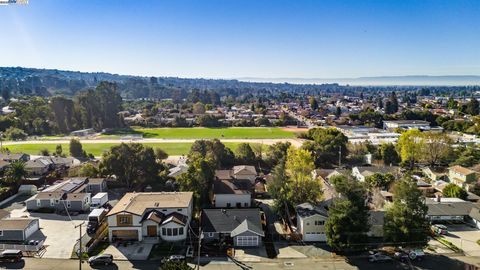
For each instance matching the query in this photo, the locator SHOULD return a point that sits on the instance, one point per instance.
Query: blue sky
(245, 38)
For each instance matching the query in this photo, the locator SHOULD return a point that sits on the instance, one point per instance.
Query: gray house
(240, 227)
(96, 185)
(59, 201)
(17, 230)
(12, 157)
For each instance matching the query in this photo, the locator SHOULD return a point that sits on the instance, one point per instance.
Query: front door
(152, 230)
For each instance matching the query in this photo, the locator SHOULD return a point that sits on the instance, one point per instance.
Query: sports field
(97, 149)
(210, 133)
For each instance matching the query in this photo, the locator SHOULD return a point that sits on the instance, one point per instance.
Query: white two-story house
(311, 222)
(157, 215)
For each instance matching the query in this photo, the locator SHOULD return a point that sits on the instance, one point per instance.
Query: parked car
(379, 257)
(11, 255)
(415, 254)
(105, 259)
(440, 229)
(174, 258)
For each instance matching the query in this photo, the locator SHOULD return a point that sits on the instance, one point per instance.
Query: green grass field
(97, 149)
(210, 133)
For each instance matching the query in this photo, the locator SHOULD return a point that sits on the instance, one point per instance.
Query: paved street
(431, 263)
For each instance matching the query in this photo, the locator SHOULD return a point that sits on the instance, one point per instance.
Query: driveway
(58, 231)
(465, 238)
(135, 251)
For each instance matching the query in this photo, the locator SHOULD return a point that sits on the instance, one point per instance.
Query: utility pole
(339, 156)
(199, 245)
(80, 246)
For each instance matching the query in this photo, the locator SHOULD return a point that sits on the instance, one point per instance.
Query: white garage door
(315, 237)
(247, 241)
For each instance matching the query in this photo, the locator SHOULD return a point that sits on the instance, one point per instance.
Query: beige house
(156, 215)
(461, 176)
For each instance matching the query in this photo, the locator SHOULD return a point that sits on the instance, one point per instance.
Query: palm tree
(15, 173)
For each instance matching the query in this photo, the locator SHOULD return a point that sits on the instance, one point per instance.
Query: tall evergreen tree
(405, 219)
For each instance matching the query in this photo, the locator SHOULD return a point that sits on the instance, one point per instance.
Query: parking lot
(465, 238)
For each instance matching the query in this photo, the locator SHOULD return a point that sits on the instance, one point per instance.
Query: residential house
(434, 174)
(245, 172)
(311, 222)
(448, 209)
(240, 227)
(96, 185)
(59, 196)
(38, 167)
(361, 172)
(231, 193)
(12, 157)
(17, 230)
(157, 215)
(461, 176)
(178, 170)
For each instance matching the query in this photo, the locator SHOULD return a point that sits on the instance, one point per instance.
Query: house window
(246, 204)
(69, 204)
(164, 210)
(175, 231)
(1, 233)
(210, 234)
(164, 231)
(39, 203)
(319, 222)
(180, 231)
(229, 205)
(124, 220)
(308, 223)
(169, 232)
(179, 210)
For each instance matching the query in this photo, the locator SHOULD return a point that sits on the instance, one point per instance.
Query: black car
(105, 259)
(11, 255)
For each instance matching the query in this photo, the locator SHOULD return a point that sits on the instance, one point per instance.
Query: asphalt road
(431, 262)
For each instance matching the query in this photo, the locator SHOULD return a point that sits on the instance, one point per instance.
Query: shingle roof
(227, 220)
(308, 210)
(49, 195)
(448, 207)
(76, 196)
(244, 168)
(475, 212)
(246, 226)
(223, 174)
(175, 217)
(461, 170)
(227, 187)
(380, 169)
(136, 203)
(96, 181)
(15, 224)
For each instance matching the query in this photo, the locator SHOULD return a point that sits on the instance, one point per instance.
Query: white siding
(221, 200)
(33, 227)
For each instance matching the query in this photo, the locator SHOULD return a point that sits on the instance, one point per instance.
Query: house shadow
(16, 265)
(53, 216)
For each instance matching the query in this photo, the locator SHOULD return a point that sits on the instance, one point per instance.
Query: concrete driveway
(135, 251)
(465, 238)
(59, 232)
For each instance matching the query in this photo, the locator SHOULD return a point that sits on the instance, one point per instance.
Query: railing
(31, 248)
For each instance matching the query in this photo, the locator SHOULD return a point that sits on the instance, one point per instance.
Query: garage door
(247, 241)
(315, 237)
(125, 234)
